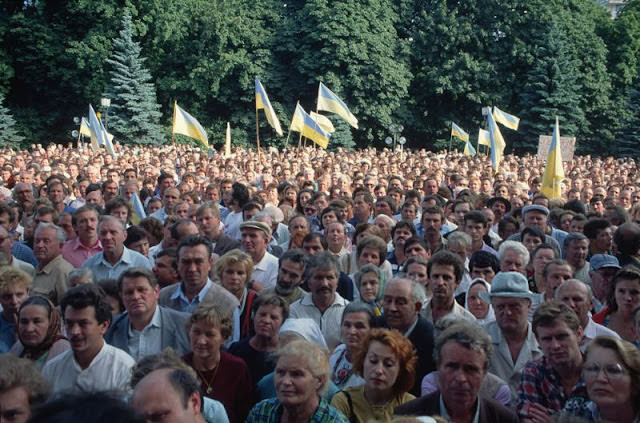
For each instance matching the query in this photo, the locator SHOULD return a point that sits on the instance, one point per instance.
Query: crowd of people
(170, 284)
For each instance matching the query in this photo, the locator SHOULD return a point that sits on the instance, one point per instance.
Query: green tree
(135, 113)
(628, 137)
(9, 135)
(551, 89)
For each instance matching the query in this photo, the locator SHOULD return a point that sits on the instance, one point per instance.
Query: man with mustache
(445, 271)
(322, 304)
(146, 328)
(91, 365)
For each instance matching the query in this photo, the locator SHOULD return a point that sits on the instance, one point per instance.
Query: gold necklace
(210, 382)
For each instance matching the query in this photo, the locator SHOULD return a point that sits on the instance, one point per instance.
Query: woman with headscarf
(474, 303)
(39, 332)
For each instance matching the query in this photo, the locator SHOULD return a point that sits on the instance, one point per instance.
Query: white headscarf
(490, 314)
(306, 328)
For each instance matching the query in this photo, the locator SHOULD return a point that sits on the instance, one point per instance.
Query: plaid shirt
(541, 384)
(270, 411)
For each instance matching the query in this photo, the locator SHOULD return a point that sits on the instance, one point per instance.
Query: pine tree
(8, 134)
(343, 136)
(550, 90)
(134, 112)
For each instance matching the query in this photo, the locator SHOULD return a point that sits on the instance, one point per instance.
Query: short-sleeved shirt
(541, 384)
(102, 269)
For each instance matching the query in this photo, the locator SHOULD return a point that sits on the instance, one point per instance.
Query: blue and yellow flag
(458, 132)
(323, 121)
(468, 149)
(99, 135)
(497, 143)
(330, 102)
(484, 138)
(262, 102)
(510, 121)
(185, 124)
(553, 172)
(303, 123)
(138, 210)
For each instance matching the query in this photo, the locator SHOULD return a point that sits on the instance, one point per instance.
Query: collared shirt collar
(50, 266)
(445, 415)
(154, 323)
(179, 293)
(412, 327)
(77, 245)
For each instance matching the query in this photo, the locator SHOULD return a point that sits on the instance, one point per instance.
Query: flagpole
(173, 124)
(257, 136)
(450, 138)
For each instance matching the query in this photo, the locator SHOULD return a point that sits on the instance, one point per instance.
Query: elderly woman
(611, 372)
(481, 310)
(357, 320)
(269, 312)
(39, 332)
(370, 283)
(223, 377)
(623, 300)
(234, 269)
(79, 276)
(301, 375)
(386, 361)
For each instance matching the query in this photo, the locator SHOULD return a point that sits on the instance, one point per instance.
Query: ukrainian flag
(99, 135)
(458, 132)
(303, 123)
(323, 121)
(484, 138)
(510, 121)
(497, 143)
(553, 172)
(185, 124)
(84, 128)
(262, 102)
(138, 209)
(330, 102)
(468, 149)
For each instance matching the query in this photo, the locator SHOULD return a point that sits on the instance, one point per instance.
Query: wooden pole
(257, 136)
(173, 124)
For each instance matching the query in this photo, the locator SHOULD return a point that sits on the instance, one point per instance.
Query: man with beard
(291, 267)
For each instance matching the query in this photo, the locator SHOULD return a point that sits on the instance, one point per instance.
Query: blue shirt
(102, 269)
(24, 253)
(186, 305)
(7, 335)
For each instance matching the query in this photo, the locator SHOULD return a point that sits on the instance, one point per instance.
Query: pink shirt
(76, 253)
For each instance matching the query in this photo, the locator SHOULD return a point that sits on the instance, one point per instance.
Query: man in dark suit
(402, 301)
(146, 328)
(463, 352)
(208, 220)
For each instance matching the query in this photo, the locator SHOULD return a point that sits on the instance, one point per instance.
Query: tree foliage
(8, 133)
(420, 63)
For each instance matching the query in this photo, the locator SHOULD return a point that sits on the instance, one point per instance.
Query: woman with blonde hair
(234, 270)
(301, 377)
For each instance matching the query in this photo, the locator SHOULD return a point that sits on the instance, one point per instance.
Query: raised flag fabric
(84, 128)
(330, 102)
(553, 172)
(323, 121)
(468, 149)
(510, 121)
(185, 124)
(99, 135)
(458, 132)
(497, 143)
(138, 210)
(303, 123)
(262, 102)
(484, 138)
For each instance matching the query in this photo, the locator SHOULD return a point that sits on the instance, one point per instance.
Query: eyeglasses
(611, 371)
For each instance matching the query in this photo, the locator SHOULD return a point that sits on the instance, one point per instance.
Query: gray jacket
(172, 331)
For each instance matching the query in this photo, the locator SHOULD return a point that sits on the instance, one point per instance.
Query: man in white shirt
(91, 364)
(254, 242)
(322, 304)
(577, 295)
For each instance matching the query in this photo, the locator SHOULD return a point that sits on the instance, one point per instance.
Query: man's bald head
(627, 238)
(577, 295)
